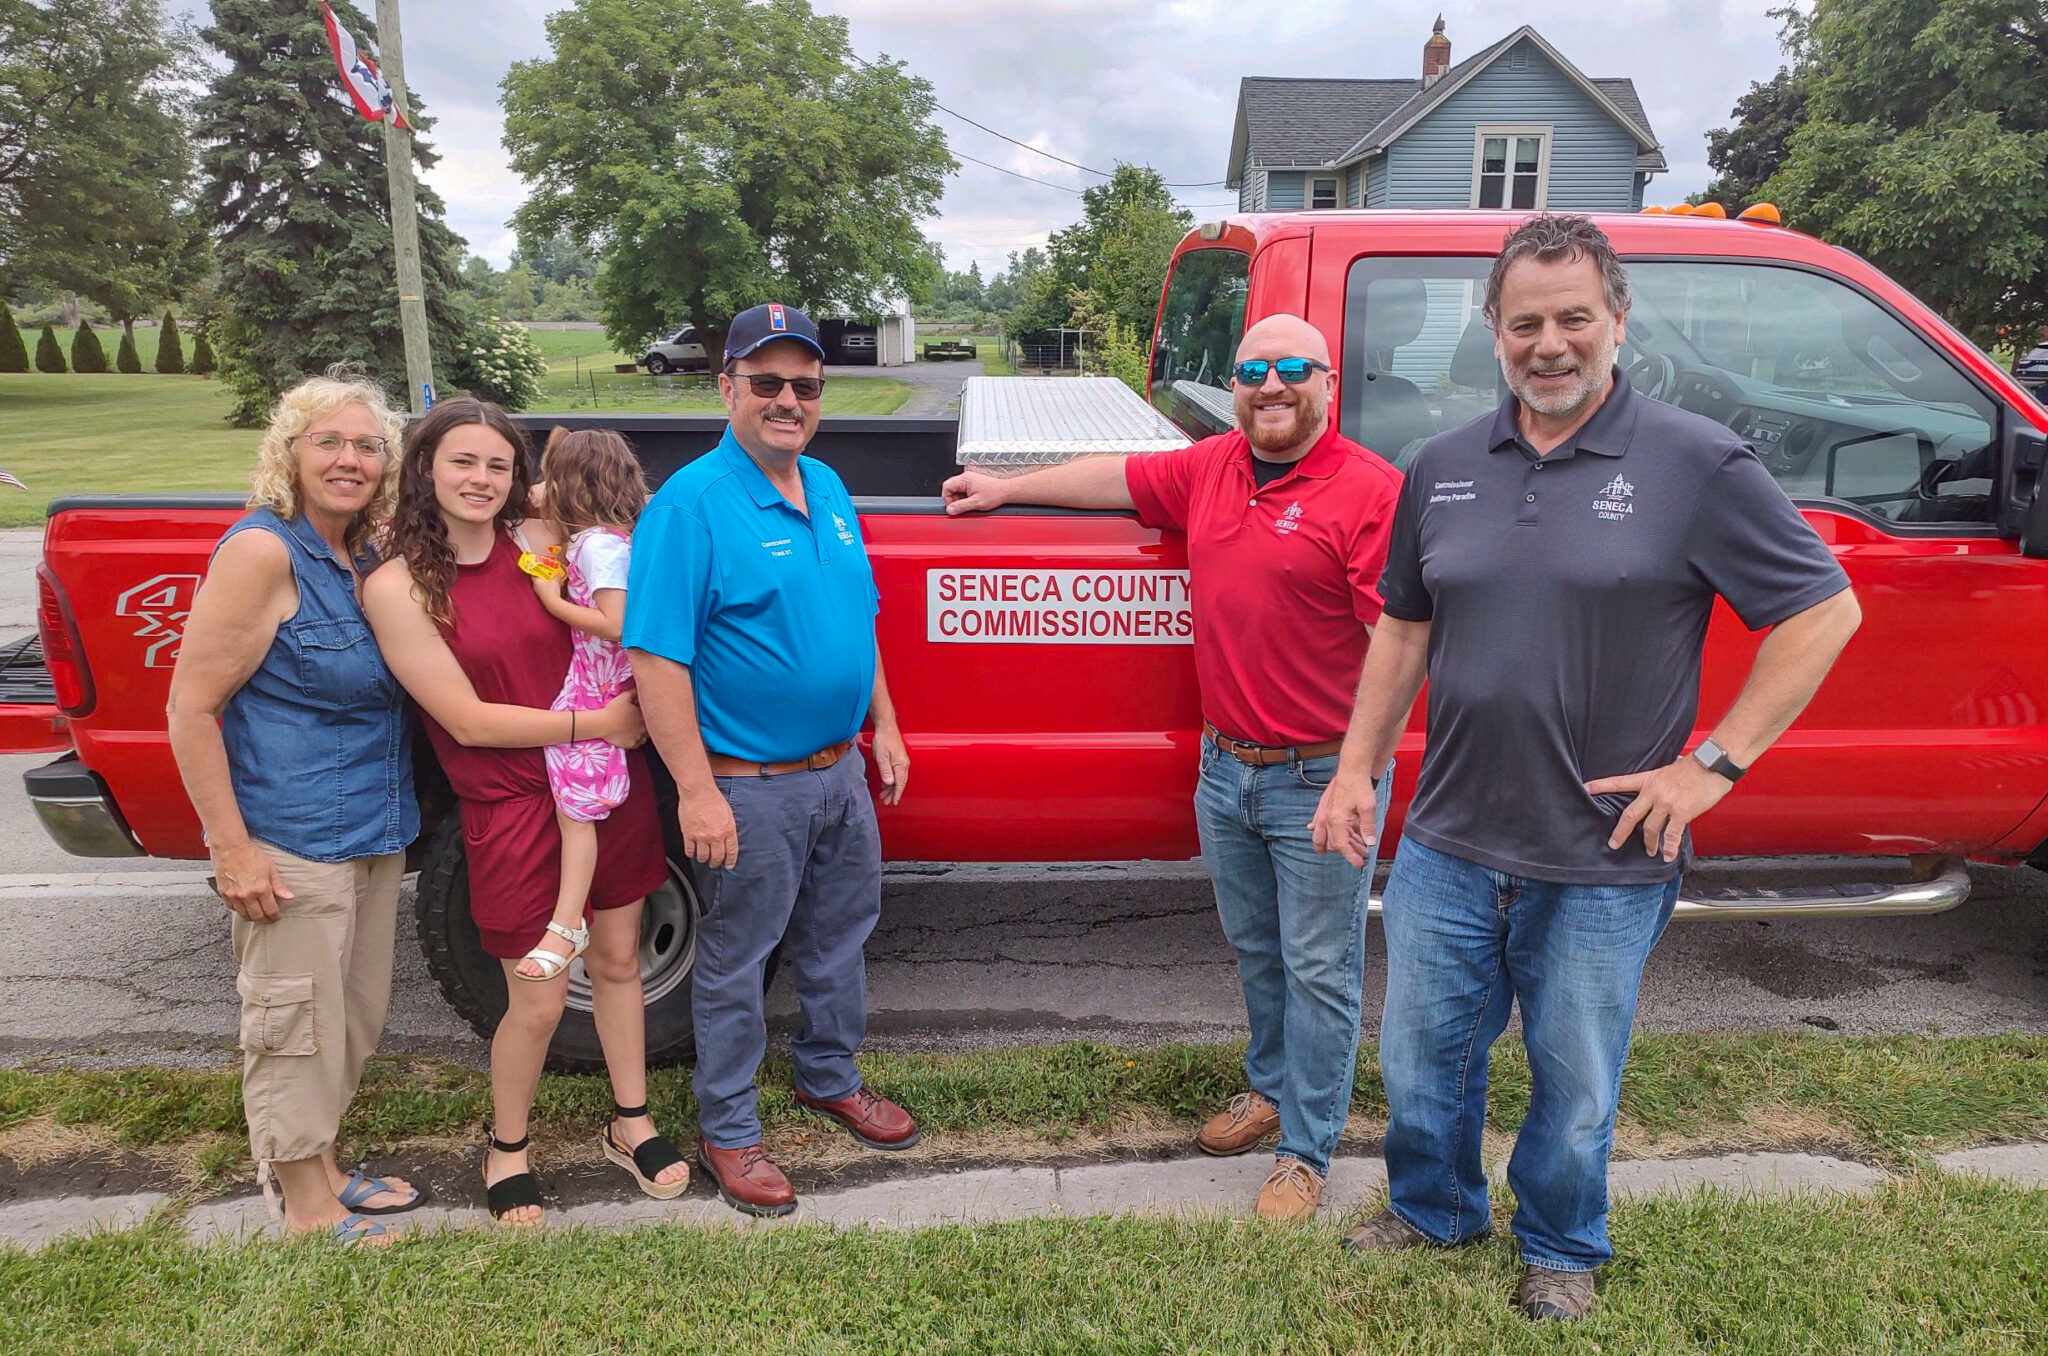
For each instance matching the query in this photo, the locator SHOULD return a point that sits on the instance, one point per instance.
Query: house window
(1322, 193)
(1510, 167)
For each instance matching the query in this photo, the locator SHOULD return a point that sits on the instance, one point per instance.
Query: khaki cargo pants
(314, 986)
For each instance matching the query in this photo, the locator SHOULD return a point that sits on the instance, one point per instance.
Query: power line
(1014, 175)
(1004, 136)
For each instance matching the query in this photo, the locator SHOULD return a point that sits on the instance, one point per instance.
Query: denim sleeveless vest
(319, 752)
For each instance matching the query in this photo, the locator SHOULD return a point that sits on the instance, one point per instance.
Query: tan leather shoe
(1291, 1193)
(1248, 1119)
(868, 1116)
(1558, 1296)
(1385, 1232)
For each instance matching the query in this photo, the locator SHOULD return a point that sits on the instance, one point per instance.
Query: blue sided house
(1515, 126)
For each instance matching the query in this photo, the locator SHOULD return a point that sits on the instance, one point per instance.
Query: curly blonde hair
(275, 483)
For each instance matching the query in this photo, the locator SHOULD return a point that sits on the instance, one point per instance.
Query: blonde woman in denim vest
(291, 736)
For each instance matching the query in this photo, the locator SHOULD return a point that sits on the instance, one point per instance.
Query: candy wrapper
(541, 566)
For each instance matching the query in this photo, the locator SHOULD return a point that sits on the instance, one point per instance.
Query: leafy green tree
(126, 358)
(515, 293)
(1117, 253)
(170, 350)
(557, 258)
(1006, 291)
(86, 353)
(1745, 156)
(1925, 149)
(94, 163)
(13, 352)
(49, 354)
(202, 356)
(295, 185)
(715, 154)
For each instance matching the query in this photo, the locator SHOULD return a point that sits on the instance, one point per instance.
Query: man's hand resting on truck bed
(973, 491)
(709, 834)
(247, 881)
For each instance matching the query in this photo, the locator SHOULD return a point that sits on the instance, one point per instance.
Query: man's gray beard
(1592, 381)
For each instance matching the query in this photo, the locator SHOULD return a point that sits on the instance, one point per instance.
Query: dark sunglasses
(767, 385)
(1293, 371)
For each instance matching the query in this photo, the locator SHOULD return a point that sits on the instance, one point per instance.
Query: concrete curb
(1184, 1186)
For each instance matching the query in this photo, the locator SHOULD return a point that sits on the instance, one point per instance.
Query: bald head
(1283, 421)
(1283, 336)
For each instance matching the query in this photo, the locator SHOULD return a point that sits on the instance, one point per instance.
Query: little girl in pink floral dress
(594, 494)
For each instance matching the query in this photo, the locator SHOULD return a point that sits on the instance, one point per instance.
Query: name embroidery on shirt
(779, 547)
(1612, 503)
(1290, 521)
(1452, 492)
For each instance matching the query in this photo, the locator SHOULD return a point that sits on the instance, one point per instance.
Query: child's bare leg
(579, 866)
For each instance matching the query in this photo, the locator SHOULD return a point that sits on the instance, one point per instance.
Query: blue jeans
(1297, 920)
(809, 876)
(1463, 944)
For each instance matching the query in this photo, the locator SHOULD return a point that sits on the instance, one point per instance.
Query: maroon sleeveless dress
(516, 653)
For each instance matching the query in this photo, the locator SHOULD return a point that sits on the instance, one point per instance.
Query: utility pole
(405, 224)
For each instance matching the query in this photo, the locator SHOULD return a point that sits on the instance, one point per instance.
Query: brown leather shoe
(1560, 1296)
(748, 1179)
(868, 1116)
(1385, 1232)
(1291, 1193)
(1248, 1119)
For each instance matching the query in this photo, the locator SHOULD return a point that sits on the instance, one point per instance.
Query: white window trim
(1547, 131)
(1336, 183)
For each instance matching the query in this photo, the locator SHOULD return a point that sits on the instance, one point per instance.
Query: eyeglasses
(1293, 371)
(331, 443)
(767, 385)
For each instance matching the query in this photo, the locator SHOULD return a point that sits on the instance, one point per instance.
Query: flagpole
(405, 231)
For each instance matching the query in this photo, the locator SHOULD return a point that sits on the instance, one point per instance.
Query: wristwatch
(1715, 759)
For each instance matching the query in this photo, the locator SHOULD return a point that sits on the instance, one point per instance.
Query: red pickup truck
(1040, 657)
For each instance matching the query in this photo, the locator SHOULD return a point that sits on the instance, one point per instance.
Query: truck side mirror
(2023, 509)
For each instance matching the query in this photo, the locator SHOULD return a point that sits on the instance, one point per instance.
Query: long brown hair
(418, 533)
(593, 479)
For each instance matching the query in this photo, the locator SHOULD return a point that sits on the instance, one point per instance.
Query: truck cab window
(1841, 400)
(1199, 326)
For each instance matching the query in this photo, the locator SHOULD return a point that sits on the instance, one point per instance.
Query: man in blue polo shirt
(750, 617)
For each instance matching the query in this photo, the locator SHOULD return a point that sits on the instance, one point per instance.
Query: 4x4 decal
(161, 605)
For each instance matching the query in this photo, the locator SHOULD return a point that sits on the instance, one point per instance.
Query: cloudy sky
(1096, 81)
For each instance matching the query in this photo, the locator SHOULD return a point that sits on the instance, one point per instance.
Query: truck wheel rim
(668, 943)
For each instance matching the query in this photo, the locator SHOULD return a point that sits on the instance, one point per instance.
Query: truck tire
(657, 364)
(474, 982)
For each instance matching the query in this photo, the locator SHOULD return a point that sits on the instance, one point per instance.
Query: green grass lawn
(68, 433)
(989, 348)
(1928, 1265)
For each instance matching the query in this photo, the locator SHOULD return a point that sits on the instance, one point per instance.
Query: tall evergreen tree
(202, 356)
(126, 358)
(13, 353)
(170, 351)
(86, 353)
(295, 183)
(49, 354)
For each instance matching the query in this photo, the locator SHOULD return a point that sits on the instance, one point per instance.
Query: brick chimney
(1436, 54)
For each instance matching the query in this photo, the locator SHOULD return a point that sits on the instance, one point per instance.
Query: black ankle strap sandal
(646, 1160)
(521, 1188)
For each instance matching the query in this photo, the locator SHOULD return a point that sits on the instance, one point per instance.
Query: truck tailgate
(29, 719)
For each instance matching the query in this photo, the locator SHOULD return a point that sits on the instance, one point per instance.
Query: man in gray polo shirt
(1551, 573)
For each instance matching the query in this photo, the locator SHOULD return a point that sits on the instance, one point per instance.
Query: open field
(70, 433)
(1932, 1264)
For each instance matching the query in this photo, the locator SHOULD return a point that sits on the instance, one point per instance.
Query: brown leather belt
(724, 766)
(1265, 755)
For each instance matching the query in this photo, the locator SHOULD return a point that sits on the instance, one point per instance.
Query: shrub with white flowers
(500, 362)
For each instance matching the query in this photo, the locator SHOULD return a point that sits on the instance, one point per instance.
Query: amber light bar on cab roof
(1756, 214)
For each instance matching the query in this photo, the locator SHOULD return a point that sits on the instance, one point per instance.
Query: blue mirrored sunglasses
(1293, 371)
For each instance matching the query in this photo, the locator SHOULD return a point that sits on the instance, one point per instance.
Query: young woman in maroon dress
(464, 632)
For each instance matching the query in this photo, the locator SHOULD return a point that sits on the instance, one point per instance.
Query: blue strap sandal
(362, 1187)
(355, 1230)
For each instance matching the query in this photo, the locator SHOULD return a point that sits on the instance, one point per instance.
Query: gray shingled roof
(1323, 122)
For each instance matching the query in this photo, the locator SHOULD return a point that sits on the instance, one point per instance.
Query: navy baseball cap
(767, 323)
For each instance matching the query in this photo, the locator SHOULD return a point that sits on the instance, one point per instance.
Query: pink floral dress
(590, 777)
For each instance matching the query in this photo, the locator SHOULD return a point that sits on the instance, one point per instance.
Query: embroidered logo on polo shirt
(1613, 503)
(845, 532)
(1290, 521)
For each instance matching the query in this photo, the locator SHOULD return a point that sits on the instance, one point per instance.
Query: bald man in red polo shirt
(1287, 524)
